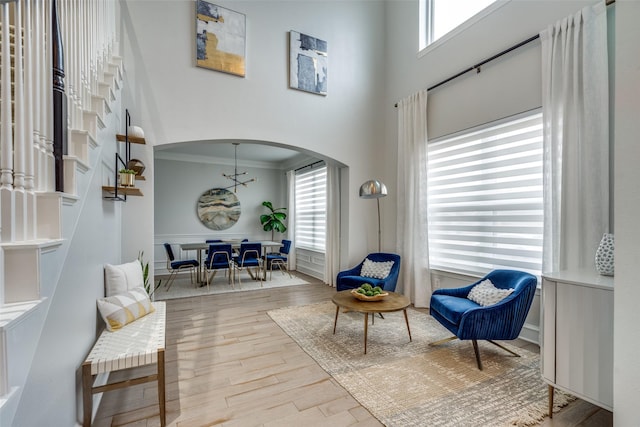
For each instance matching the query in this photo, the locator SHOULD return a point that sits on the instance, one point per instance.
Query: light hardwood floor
(228, 364)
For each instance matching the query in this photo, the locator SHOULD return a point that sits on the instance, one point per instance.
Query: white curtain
(332, 242)
(576, 138)
(412, 232)
(291, 217)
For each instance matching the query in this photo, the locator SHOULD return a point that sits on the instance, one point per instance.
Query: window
(485, 198)
(439, 17)
(311, 209)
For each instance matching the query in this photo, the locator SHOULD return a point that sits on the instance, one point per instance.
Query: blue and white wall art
(307, 63)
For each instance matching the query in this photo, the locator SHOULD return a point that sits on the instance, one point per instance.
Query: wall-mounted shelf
(120, 193)
(127, 191)
(132, 139)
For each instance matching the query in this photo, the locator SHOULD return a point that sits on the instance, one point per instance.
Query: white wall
(174, 101)
(178, 186)
(513, 84)
(626, 373)
(506, 86)
(52, 395)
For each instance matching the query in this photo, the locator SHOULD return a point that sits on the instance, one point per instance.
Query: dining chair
(279, 259)
(248, 257)
(218, 258)
(174, 266)
(206, 251)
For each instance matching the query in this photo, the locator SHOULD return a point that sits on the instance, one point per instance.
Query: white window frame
(311, 209)
(425, 14)
(469, 231)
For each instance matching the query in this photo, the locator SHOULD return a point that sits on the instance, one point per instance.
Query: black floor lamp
(374, 189)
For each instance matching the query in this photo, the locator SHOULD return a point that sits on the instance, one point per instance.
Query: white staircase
(30, 268)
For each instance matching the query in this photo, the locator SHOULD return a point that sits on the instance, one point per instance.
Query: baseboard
(530, 333)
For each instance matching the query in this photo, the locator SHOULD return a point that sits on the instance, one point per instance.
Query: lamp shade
(373, 189)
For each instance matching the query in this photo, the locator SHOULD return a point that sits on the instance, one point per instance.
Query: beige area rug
(406, 383)
(183, 288)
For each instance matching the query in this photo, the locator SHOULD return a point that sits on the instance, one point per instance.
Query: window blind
(311, 209)
(484, 191)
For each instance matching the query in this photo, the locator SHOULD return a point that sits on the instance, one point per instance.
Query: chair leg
(477, 351)
(504, 348)
(210, 279)
(171, 279)
(282, 266)
(238, 271)
(433, 344)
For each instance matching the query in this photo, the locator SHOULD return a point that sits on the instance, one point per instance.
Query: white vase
(604, 255)
(136, 132)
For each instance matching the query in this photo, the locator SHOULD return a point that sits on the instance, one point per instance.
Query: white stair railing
(26, 119)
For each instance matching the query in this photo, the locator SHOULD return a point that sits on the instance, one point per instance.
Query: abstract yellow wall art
(220, 38)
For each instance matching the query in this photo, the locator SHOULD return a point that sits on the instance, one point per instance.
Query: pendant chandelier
(234, 177)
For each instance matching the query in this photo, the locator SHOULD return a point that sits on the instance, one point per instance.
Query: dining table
(235, 244)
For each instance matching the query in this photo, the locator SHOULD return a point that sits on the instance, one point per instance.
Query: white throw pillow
(377, 270)
(121, 278)
(119, 310)
(485, 293)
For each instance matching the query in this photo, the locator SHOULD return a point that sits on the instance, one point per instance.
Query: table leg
(335, 322)
(366, 324)
(406, 319)
(551, 401)
(199, 270)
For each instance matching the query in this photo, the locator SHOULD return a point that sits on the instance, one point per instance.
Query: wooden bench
(137, 344)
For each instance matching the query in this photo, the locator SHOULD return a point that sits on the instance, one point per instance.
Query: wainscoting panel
(311, 263)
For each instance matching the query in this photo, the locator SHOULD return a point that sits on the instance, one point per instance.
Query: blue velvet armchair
(470, 321)
(351, 279)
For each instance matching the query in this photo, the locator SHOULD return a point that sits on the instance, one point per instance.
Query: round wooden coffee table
(393, 302)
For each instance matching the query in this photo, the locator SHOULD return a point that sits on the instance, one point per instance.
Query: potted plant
(145, 275)
(273, 221)
(127, 177)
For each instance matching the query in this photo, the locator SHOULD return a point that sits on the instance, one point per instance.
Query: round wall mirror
(218, 209)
